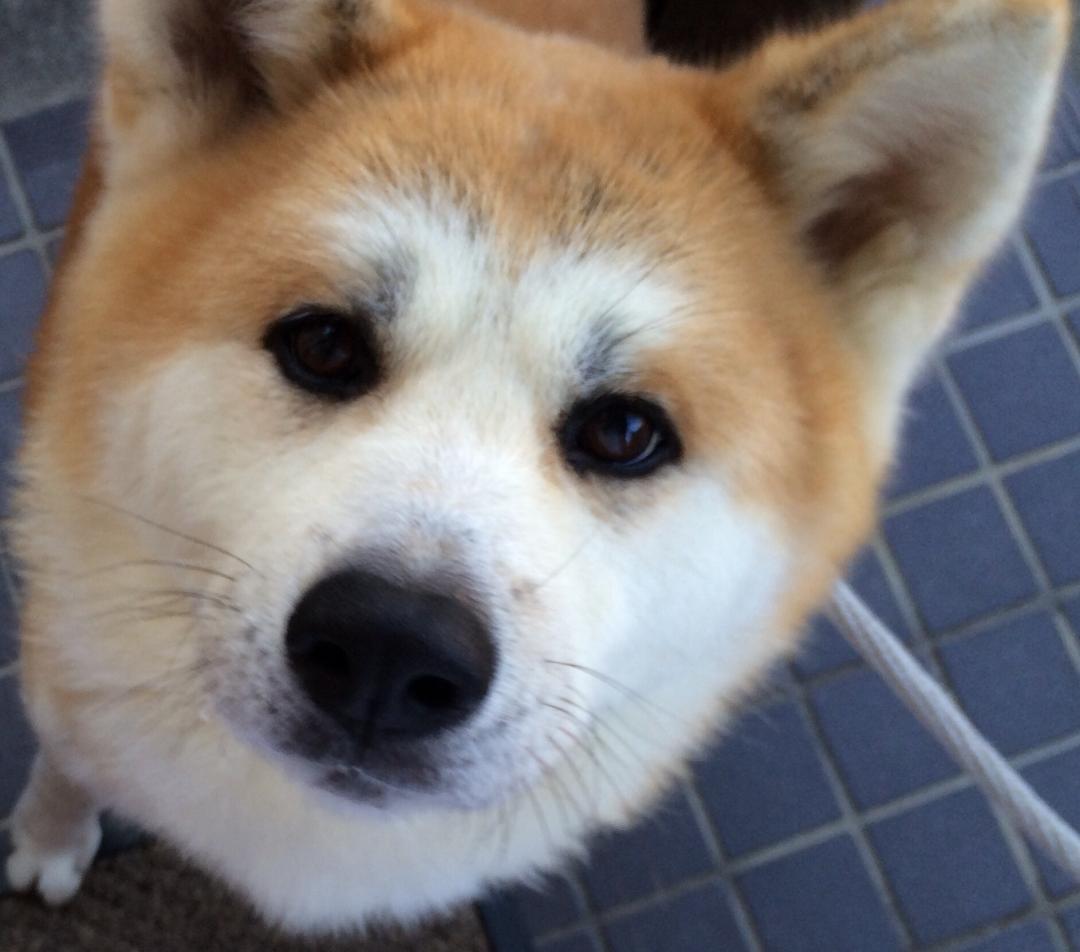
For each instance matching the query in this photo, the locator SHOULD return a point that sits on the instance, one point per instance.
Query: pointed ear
(178, 72)
(899, 146)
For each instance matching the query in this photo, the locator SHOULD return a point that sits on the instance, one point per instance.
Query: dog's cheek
(703, 585)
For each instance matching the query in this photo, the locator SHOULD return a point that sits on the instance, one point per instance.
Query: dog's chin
(352, 788)
(344, 776)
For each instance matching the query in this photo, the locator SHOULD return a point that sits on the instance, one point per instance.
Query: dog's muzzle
(386, 662)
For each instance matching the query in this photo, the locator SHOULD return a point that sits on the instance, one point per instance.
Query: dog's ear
(899, 147)
(178, 72)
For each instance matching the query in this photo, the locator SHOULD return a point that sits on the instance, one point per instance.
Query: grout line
(1039, 281)
(1017, 846)
(1049, 306)
(925, 653)
(711, 836)
(821, 834)
(920, 638)
(958, 343)
(33, 238)
(852, 823)
(590, 923)
(992, 929)
(1004, 469)
(1029, 872)
(7, 573)
(1056, 175)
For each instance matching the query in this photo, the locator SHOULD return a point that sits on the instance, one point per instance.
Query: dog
(427, 386)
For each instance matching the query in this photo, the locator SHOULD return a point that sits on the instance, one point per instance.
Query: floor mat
(148, 900)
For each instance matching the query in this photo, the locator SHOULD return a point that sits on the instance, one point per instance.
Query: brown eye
(325, 348)
(619, 436)
(324, 353)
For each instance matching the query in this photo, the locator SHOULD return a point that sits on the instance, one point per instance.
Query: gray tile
(53, 250)
(47, 148)
(1052, 222)
(949, 867)
(934, 446)
(1073, 321)
(1001, 292)
(22, 296)
(11, 225)
(1070, 919)
(5, 851)
(693, 922)
(1023, 390)
(1031, 937)
(818, 899)
(1047, 497)
(1064, 144)
(46, 53)
(825, 648)
(959, 559)
(738, 781)
(1016, 682)
(881, 750)
(661, 852)
(17, 745)
(550, 905)
(10, 432)
(577, 942)
(9, 622)
(1057, 781)
(1071, 610)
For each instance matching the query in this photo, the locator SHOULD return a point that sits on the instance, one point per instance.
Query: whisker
(565, 563)
(167, 529)
(541, 819)
(151, 563)
(618, 685)
(507, 814)
(194, 594)
(581, 810)
(551, 780)
(591, 730)
(154, 602)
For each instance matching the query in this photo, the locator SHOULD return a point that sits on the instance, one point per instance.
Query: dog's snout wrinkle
(389, 662)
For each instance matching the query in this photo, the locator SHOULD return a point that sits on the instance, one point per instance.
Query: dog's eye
(619, 436)
(323, 352)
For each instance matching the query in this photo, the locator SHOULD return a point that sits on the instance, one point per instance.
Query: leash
(931, 704)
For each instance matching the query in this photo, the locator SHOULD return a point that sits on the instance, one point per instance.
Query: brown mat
(147, 900)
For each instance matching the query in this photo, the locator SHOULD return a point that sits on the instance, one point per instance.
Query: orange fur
(749, 195)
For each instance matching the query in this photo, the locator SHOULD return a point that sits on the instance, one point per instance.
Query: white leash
(1025, 809)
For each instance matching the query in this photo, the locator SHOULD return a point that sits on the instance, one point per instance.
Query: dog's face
(429, 406)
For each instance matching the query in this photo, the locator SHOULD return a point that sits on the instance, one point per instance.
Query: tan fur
(194, 228)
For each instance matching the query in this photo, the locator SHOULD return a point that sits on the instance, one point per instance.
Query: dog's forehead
(443, 281)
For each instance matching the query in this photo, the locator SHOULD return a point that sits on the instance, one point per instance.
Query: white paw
(56, 871)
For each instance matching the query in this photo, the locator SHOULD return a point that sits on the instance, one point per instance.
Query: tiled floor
(829, 820)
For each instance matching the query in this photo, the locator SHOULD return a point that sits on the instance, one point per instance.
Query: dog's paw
(56, 871)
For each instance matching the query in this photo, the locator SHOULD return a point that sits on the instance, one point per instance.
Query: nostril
(387, 661)
(324, 667)
(432, 693)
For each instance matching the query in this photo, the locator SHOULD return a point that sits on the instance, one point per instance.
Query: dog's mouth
(449, 769)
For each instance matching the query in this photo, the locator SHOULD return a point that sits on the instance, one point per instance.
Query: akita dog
(430, 386)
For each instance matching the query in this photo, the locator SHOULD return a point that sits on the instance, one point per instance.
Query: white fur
(628, 619)
(440, 469)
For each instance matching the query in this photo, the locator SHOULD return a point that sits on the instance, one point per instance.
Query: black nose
(388, 661)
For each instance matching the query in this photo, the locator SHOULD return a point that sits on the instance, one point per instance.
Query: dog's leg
(56, 832)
